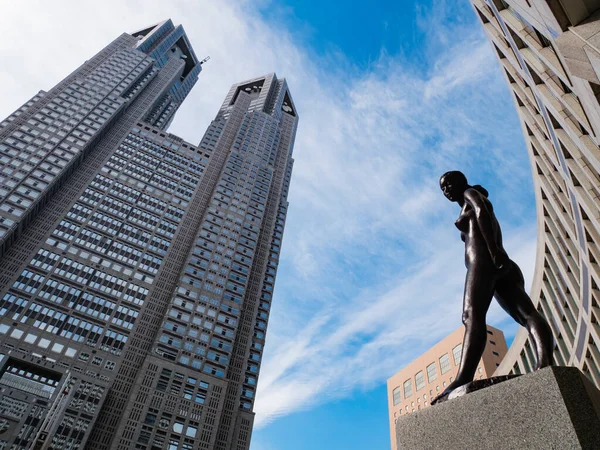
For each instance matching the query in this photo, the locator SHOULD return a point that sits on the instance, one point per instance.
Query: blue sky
(390, 95)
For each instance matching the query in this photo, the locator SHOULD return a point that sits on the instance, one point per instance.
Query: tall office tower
(549, 53)
(59, 151)
(197, 385)
(198, 350)
(413, 387)
(142, 76)
(137, 269)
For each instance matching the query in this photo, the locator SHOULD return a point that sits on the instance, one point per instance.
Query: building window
(407, 388)
(420, 380)
(396, 395)
(178, 427)
(445, 363)
(431, 372)
(457, 353)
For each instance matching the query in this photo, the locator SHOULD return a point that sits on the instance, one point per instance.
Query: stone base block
(553, 408)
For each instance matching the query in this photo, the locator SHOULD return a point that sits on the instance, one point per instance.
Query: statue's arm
(485, 223)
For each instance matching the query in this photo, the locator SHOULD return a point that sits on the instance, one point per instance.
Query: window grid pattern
(67, 306)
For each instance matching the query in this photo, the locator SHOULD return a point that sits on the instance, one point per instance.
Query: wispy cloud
(370, 336)
(371, 271)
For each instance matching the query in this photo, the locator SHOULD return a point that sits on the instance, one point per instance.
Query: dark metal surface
(490, 273)
(472, 386)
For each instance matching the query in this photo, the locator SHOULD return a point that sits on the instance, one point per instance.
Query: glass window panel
(457, 353)
(396, 395)
(445, 363)
(407, 388)
(431, 372)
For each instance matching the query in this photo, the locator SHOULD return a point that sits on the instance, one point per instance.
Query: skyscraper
(549, 54)
(137, 269)
(142, 76)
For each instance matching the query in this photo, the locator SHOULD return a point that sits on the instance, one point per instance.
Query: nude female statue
(490, 273)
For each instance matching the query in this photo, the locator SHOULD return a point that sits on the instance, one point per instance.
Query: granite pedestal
(553, 408)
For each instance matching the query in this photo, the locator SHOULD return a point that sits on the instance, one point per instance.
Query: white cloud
(371, 271)
(374, 334)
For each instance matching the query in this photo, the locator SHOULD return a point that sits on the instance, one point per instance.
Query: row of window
(64, 116)
(212, 259)
(444, 364)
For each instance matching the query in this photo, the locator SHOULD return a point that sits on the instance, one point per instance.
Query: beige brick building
(412, 388)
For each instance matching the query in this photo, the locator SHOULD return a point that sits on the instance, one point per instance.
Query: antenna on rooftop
(204, 60)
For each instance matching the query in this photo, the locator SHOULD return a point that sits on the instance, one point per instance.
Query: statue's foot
(443, 395)
(446, 392)
(542, 365)
(543, 361)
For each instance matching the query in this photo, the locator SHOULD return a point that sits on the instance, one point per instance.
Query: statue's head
(453, 184)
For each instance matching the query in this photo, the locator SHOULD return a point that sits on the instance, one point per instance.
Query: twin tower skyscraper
(136, 269)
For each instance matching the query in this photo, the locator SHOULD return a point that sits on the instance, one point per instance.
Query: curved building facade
(549, 52)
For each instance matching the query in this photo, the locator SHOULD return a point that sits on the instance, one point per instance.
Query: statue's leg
(512, 297)
(479, 289)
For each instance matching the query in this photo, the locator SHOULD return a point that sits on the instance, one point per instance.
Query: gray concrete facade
(549, 54)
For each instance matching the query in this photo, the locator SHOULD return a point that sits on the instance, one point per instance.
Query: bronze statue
(490, 273)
